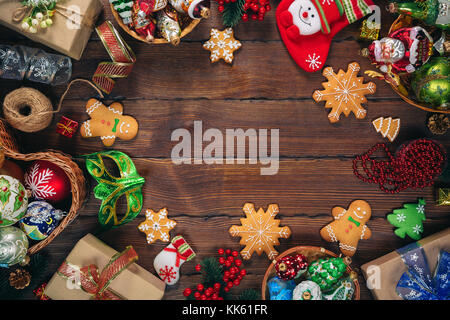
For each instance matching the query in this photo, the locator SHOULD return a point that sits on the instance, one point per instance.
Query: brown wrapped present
(118, 277)
(384, 273)
(73, 23)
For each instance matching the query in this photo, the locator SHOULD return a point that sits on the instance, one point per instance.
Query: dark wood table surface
(171, 87)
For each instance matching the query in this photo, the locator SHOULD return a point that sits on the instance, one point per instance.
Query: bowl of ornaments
(310, 273)
(159, 21)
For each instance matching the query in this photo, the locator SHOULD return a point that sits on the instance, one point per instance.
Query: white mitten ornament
(168, 262)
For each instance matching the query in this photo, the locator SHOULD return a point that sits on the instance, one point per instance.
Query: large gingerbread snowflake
(222, 45)
(157, 226)
(344, 92)
(260, 231)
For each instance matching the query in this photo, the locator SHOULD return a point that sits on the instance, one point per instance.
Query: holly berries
(235, 10)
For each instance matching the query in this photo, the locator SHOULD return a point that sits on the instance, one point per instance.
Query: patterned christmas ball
(327, 272)
(13, 201)
(280, 289)
(307, 290)
(41, 220)
(291, 267)
(47, 182)
(13, 246)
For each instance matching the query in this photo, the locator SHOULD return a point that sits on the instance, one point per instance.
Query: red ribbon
(179, 256)
(96, 283)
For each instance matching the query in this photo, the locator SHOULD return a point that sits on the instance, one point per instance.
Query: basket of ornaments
(310, 273)
(414, 57)
(159, 21)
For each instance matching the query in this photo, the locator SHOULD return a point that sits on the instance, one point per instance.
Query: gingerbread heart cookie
(108, 123)
(349, 226)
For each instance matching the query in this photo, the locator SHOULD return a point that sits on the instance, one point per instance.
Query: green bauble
(13, 246)
(327, 272)
(13, 200)
(431, 83)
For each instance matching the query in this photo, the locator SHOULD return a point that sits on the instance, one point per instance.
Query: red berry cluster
(255, 9)
(232, 276)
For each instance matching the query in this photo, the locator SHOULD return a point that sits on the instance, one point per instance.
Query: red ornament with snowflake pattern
(47, 181)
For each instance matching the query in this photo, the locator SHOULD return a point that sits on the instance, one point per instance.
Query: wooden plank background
(171, 87)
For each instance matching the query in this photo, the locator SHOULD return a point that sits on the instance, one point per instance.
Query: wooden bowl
(73, 172)
(401, 22)
(187, 25)
(312, 254)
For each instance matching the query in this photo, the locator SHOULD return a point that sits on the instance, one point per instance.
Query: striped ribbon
(122, 57)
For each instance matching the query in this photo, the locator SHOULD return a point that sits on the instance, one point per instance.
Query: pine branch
(249, 294)
(233, 13)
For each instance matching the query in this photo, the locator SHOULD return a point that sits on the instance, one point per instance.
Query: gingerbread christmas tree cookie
(388, 127)
(344, 92)
(408, 220)
(222, 44)
(157, 226)
(260, 231)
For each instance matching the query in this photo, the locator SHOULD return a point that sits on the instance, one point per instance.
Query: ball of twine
(28, 110)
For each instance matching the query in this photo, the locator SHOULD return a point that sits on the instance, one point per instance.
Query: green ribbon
(354, 221)
(110, 188)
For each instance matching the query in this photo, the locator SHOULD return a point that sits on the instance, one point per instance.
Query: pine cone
(438, 123)
(19, 279)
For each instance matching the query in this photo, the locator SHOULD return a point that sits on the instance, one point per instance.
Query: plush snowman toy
(308, 26)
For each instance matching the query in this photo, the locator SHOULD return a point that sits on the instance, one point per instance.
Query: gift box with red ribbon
(66, 127)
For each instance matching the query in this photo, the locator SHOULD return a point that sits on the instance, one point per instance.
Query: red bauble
(290, 267)
(47, 182)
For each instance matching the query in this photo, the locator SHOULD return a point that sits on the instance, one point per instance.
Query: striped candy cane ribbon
(122, 57)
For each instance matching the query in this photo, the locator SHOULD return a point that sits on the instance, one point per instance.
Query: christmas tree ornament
(404, 50)
(110, 188)
(9, 168)
(280, 289)
(369, 30)
(157, 226)
(222, 44)
(409, 220)
(168, 25)
(415, 165)
(432, 12)
(327, 272)
(259, 231)
(41, 219)
(344, 92)
(13, 200)
(443, 197)
(35, 14)
(349, 226)
(308, 26)
(149, 6)
(124, 9)
(19, 279)
(143, 24)
(431, 83)
(388, 127)
(47, 181)
(108, 123)
(13, 247)
(438, 123)
(344, 291)
(307, 290)
(195, 9)
(291, 267)
(66, 127)
(168, 262)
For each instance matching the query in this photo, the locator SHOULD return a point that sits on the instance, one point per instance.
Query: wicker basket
(401, 22)
(311, 254)
(187, 25)
(71, 169)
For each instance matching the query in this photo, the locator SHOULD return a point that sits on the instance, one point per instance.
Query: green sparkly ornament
(344, 291)
(431, 83)
(327, 272)
(408, 220)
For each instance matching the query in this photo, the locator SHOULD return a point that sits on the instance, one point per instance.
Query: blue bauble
(280, 289)
(41, 219)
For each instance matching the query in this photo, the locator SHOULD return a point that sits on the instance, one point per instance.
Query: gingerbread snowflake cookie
(344, 92)
(222, 44)
(260, 231)
(157, 226)
(349, 226)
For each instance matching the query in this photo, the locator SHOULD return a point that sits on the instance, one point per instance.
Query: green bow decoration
(110, 188)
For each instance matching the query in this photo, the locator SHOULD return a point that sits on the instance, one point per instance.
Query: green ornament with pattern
(327, 272)
(408, 220)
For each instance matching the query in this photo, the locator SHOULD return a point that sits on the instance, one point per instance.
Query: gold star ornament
(222, 44)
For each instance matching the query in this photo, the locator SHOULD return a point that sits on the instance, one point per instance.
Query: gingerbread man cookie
(349, 226)
(108, 123)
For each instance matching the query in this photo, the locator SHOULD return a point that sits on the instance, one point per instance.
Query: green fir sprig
(233, 13)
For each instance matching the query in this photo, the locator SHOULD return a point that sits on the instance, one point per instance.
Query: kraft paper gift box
(391, 267)
(63, 36)
(133, 283)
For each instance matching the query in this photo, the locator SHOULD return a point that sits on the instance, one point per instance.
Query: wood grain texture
(171, 87)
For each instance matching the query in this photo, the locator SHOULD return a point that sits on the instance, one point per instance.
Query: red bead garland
(415, 165)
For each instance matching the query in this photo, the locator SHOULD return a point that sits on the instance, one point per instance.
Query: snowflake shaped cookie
(157, 226)
(222, 44)
(344, 92)
(260, 231)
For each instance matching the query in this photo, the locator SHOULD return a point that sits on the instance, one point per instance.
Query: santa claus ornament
(47, 181)
(308, 26)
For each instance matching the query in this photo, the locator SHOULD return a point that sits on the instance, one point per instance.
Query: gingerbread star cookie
(108, 123)
(157, 226)
(222, 44)
(349, 226)
(344, 92)
(260, 231)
